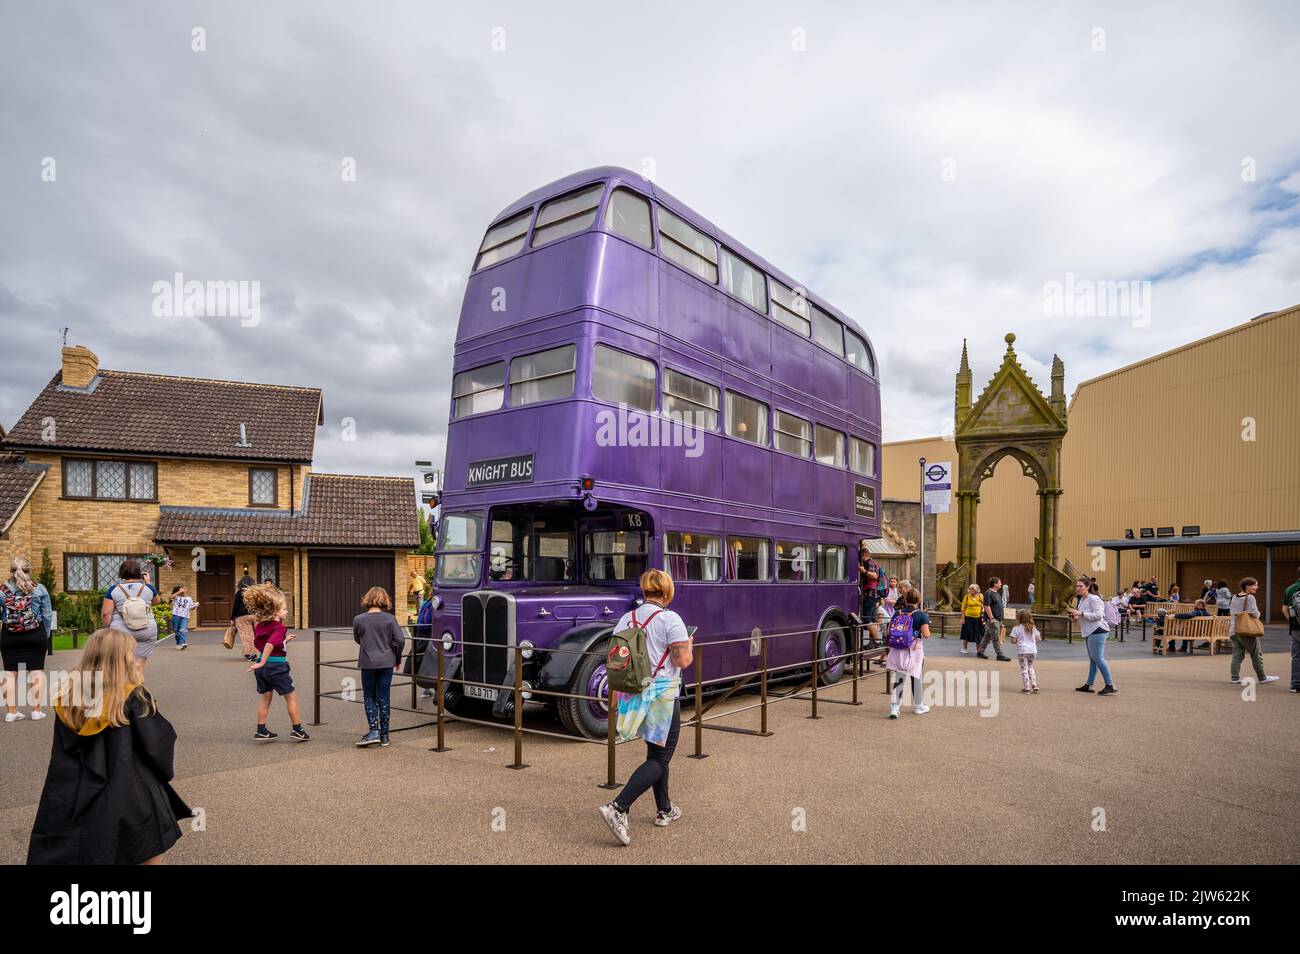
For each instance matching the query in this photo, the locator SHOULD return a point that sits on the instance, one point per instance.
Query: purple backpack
(900, 631)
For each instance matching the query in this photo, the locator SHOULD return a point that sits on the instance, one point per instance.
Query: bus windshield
(460, 545)
(526, 546)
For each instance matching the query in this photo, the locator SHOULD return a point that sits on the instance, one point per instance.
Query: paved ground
(1182, 767)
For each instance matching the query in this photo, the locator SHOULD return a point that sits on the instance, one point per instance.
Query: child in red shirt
(266, 604)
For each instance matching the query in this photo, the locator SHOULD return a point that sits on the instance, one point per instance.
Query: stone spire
(1058, 386)
(963, 404)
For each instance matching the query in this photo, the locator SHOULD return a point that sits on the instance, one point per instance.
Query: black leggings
(653, 772)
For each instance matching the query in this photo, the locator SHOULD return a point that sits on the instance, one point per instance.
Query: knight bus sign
(502, 470)
(659, 316)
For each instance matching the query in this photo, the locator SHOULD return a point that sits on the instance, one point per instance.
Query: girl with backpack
(907, 629)
(128, 608)
(107, 798)
(656, 712)
(26, 614)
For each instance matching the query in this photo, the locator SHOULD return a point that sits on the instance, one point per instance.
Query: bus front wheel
(587, 717)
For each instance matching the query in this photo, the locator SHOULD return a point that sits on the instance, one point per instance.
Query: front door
(216, 586)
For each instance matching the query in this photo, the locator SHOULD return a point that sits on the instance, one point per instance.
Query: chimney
(80, 366)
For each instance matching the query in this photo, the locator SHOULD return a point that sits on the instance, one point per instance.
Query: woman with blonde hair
(108, 798)
(972, 611)
(657, 712)
(26, 615)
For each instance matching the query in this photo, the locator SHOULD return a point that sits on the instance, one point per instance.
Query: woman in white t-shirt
(1027, 637)
(669, 646)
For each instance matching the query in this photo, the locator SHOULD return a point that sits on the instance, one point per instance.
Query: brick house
(215, 474)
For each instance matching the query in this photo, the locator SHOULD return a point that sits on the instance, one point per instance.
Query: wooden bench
(1199, 629)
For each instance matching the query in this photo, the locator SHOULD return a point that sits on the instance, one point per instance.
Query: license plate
(479, 692)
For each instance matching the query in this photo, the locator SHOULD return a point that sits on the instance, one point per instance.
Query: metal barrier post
(315, 653)
(855, 667)
(699, 705)
(816, 671)
(415, 699)
(441, 701)
(519, 711)
(611, 734)
(762, 686)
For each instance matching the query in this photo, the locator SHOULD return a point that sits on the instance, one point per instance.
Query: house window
(268, 568)
(110, 480)
(86, 572)
(261, 487)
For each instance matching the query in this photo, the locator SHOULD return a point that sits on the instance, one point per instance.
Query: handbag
(1247, 625)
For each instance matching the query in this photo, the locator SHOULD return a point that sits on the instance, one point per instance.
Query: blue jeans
(376, 685)
(180, 626)
(1096, 643)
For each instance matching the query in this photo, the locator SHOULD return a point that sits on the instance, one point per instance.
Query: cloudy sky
(928, 168)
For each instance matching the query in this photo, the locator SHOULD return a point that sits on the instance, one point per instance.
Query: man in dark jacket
(994, 613)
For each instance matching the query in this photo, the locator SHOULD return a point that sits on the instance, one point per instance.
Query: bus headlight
(526, 649)
(525, 690)
(447, 642)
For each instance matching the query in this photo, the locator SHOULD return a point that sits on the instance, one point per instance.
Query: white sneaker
(893, 711)
(664, 819)
(617, 822)
(921, 710)
(1270, 679)
(14, 716)
(39, 714)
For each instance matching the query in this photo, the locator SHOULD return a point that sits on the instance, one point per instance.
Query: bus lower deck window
(747, 558)
(693, 556)
(832, 563)
(794, 561)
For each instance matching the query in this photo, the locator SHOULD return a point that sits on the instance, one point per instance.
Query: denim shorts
(274, 677)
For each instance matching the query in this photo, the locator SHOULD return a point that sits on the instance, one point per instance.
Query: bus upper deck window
(827, 331)
(567, 215)
(830, 446)
(478, 390)
(742, 280)
(790, 308)
(858, 353)
(503, 240)
(746, 418)
(792, 434)
(862, 457)
(688, 246)
(623, 379)
(628, 215)
(690, 400)
(542, 376)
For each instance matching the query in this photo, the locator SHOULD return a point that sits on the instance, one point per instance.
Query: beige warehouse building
(1218, 453)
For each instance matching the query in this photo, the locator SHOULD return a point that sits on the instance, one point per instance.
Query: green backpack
(627, 663)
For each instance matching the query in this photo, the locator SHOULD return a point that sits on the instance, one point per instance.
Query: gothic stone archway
(1010, 419)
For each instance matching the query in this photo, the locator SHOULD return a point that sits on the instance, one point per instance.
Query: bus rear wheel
(832, 642)
(586, 717)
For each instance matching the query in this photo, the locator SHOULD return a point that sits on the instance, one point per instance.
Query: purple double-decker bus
(634, 388)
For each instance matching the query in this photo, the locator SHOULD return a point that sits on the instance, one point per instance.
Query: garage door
(336, 583)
